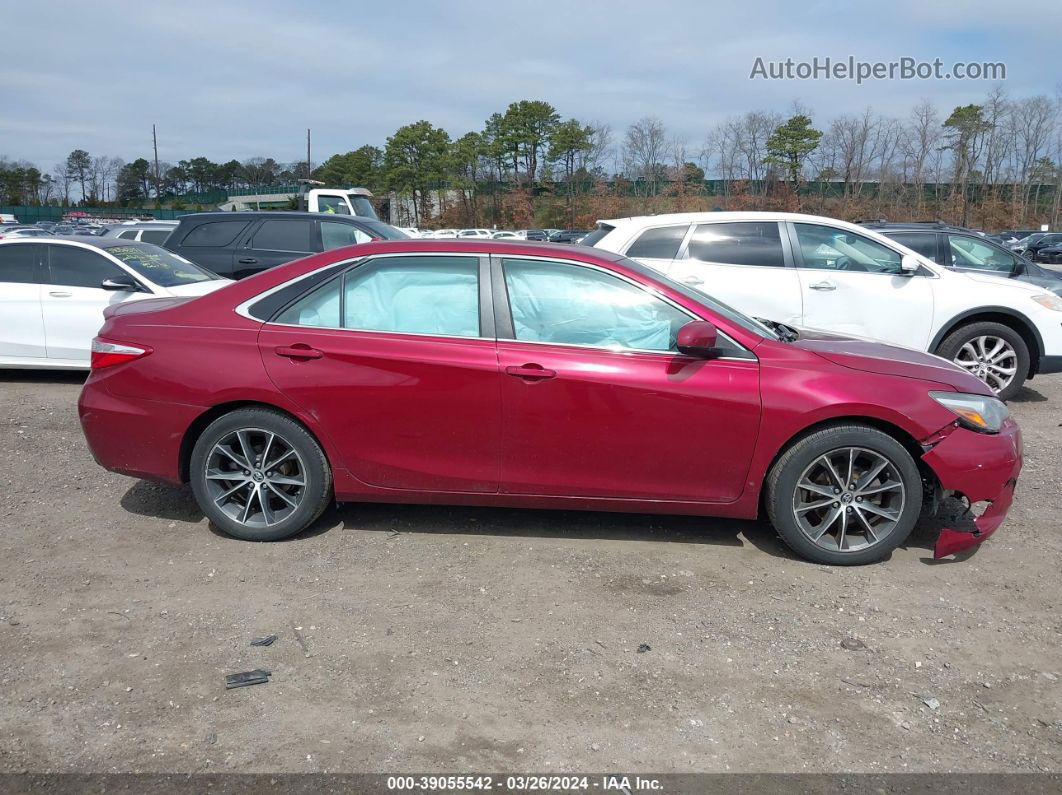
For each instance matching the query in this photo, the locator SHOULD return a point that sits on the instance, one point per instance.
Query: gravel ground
(454, 639)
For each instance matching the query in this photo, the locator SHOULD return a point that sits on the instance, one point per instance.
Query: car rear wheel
(259, 475)
(845, 495)
(995, 353)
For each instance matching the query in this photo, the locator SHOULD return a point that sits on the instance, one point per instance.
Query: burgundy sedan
(538, 376)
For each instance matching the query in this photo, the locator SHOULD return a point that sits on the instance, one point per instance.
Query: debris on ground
(644, 647)
(258, 676)
(853, 644)
(265, 640)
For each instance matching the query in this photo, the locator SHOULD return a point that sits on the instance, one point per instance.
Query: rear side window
(214, 233)
(745, 243)
(156, 236)
(592, 238)
(18, 264)
(128, 234)
(284, 235)
(925, 243)
(660, 243)
(79, 267)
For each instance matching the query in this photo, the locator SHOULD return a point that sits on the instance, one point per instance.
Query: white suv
(806, 270)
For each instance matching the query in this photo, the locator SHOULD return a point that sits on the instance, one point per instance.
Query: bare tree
(645, 151)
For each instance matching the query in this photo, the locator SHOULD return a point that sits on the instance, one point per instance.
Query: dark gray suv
(963, 249)
(240, 244)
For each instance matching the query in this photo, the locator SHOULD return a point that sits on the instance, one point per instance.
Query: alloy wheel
(849, 499)
(255, 477)
(992, 359)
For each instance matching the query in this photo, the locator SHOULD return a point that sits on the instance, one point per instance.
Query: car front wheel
(845, 495)
(995, 353)
(259, 475)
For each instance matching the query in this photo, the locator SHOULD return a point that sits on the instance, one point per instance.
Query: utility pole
(155, 143)
(309, 168)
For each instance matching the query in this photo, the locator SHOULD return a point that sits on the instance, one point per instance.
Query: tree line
(992, 163)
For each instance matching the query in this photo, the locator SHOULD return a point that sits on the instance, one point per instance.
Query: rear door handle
(532, 372)
(59, 294)
(298, 351)
(824, 286)
(693, 280)
(247, 261)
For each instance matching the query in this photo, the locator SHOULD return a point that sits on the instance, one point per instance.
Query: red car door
(399, 365)
(595, 404)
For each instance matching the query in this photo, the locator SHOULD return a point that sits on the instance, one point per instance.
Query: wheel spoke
(273, 464)
(816, 488)
(812, 506)
(1000, 345)
(889, 485)
(226, 494)
(245, 446)
(263, 501)
(247, 505)
(221, 474)
(1002, 370)
(239, 461)
(851, 468)
(265, 450)
(866, 525)
(892, 516)
(833, 472)
(286, 480)
(827, 523)
(287, 498)
(844, 528)
(868, 478)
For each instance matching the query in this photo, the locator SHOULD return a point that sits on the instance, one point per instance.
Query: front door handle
(247, 261)
(60, 294)
(298, 351)
(530, 372)
(693, 280)
(824, 286)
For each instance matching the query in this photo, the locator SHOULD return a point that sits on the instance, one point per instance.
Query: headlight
(1048, 301)
(976, 412)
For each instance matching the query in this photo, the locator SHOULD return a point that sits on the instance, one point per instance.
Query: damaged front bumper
(981, 467)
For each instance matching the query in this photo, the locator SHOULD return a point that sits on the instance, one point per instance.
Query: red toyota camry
(539, 376)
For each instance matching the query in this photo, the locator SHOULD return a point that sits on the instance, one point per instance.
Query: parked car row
(541, 235)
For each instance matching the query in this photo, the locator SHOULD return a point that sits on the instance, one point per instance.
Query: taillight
(107, 354)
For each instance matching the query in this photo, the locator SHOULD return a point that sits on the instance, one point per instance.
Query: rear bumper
(981, 467)
(132, 436)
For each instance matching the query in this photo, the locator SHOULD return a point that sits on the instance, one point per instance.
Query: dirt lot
(428, 639)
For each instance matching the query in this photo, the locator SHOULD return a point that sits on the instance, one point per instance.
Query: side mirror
(909, 265)
(121, 283)
(698, 338)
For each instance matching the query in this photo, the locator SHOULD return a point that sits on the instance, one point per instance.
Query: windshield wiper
(785, 333)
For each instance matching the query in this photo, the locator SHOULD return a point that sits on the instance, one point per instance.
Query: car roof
(248, 215)
(95, 241)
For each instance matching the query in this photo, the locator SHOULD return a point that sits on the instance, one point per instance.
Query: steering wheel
(846, 263)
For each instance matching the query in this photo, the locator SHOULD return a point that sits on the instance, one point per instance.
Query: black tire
(307, 464)
(782, 493)
(953, 344)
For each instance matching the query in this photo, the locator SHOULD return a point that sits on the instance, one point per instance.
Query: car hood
(197, 288)
(869, 356)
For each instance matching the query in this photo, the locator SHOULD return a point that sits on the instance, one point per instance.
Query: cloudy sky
(243, 79)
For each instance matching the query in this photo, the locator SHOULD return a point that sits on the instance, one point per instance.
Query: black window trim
(788, 260)
(507, 333)
(330, 273)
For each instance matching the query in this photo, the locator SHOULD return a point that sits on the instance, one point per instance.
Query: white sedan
(53, 292)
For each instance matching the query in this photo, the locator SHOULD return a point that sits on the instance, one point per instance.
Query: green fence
(29, 214)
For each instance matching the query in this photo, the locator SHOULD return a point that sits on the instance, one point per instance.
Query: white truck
(310, 198)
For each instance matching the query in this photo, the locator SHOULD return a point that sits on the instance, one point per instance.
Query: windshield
(385, 231)
(731, 314)
(160, 266)
(362, 206)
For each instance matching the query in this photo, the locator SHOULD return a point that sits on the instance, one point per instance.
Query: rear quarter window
(660, 243)
(214, 233)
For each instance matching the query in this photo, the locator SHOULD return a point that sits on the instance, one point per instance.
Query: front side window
(967, 252)
(336, 235)
(284, 235)
(333, 205)
(660, 243)
(573, 305)
(829, 248)
(18, 264)
(79, 267)
(746, 243)
(925, 243)
(404, 295)
(156, 236)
